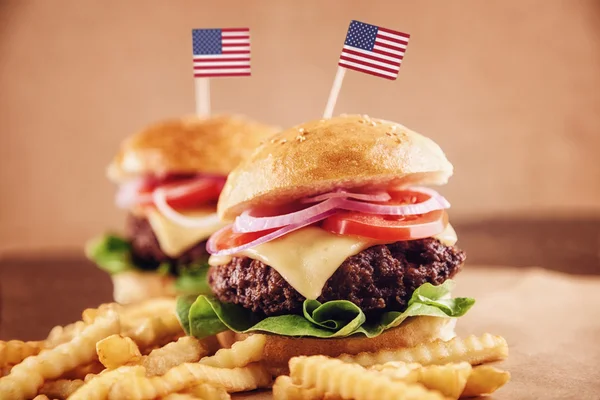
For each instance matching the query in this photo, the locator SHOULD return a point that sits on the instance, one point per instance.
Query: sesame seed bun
(349, 151)
(279, 349)
(213, 146)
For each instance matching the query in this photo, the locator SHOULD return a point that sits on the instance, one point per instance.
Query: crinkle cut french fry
(133, 314)
(116, 350)
(63, 334)
(98, 387)
(181, 396)
(448, 379)
(27, 377)
(153, 329)
(351, 381)
(81, 371)
(186, 349)
(472, 349)
(396, 369)
(206, 391)
(61, 388)
(485, 379)
(186, 375)
(5, 370)
(89, 315)
(240, 354)
(15, 351)
(285, 389)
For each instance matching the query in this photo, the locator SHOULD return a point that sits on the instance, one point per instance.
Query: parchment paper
(551, 322)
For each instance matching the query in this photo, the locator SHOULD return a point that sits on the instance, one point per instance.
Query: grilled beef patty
(380, 278)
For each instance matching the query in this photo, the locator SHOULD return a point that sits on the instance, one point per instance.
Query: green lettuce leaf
(112, 253)
(206, 316)
(193, 279)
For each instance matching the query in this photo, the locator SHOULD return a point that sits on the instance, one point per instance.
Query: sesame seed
(300, 138)
(301, 130)
(282, 141)
(273, 140)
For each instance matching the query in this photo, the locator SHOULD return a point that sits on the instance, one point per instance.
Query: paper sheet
(551, 322)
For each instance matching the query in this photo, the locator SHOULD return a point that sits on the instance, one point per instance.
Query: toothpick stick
(335, 91)
(202, 97)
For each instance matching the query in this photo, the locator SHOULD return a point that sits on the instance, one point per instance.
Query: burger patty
(380, 278)
(147, 252)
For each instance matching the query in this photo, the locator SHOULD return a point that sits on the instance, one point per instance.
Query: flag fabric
(221, 52)
(373, 50)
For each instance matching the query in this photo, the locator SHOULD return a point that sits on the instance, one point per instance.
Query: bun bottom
(135, 286)
(413, 331)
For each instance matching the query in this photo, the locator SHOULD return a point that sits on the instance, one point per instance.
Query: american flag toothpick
(369, 49)
(218, 53)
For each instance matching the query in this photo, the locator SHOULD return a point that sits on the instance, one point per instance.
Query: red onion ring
(211, 246)
(435, 202)
(376, 196)
(247, 223)
(159, 196)
(128, 193)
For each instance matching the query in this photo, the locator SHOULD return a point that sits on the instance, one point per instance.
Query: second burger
(170, 176)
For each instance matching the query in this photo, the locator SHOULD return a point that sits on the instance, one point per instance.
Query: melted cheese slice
(174, 239)
(305, 258)
(448, 236)
(308, 257)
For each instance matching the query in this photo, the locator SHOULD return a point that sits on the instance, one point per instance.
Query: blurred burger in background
(170, 176)
(337, 247)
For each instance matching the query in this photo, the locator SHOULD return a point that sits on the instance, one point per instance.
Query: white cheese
(174, 239)
(448, 236)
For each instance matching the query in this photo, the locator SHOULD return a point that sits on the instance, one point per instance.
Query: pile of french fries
(129, 352)
(430, 371)
(140, 352)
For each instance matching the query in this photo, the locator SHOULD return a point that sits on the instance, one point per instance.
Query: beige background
(510, 89)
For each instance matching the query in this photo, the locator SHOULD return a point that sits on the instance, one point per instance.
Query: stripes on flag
(221, 52)
(373, 50)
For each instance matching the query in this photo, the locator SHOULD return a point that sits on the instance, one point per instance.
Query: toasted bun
(189, 145)
(349, 151)
(279, 349)
(133, 286)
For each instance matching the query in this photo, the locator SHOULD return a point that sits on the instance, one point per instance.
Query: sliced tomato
(184, 194)
(387, 227)
(226, 238)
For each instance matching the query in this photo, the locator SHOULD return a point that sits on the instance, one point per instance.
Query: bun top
(214, 145)
(349, 151)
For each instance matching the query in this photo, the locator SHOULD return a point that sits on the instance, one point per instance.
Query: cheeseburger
(170, 176)
(336, 247)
